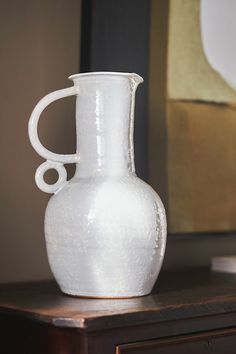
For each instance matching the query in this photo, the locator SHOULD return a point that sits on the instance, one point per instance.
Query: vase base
(102, 297)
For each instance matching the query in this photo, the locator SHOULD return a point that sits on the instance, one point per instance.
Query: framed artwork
(192, 124)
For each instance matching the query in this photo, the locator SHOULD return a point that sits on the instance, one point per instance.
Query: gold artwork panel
(201, 167)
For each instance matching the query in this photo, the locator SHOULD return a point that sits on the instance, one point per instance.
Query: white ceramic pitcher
(105, 229)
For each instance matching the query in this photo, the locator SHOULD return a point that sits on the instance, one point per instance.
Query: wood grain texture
(185, 312)
(176, 296)
(222, 341)
(19, 336)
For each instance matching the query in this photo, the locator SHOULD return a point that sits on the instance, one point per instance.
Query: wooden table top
(177, 295)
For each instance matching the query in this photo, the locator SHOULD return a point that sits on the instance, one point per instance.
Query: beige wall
(39, 50)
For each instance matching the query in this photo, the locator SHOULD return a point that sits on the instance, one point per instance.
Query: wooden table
(188, 312)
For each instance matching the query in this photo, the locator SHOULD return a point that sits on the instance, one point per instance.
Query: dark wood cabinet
(188, 312)
(220, 341)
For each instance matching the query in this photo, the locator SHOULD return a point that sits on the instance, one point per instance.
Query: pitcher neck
(104, 123)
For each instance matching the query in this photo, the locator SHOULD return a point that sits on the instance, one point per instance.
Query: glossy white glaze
(105, 229)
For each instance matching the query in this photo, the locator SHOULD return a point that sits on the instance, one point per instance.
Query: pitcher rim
(134, 76)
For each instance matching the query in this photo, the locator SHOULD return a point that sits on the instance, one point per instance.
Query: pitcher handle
(54, 161)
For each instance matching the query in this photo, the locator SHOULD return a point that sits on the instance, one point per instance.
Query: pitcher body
(105, 229)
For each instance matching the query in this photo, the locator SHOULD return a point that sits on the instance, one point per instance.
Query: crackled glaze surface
(105, 236)
(105, 229)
